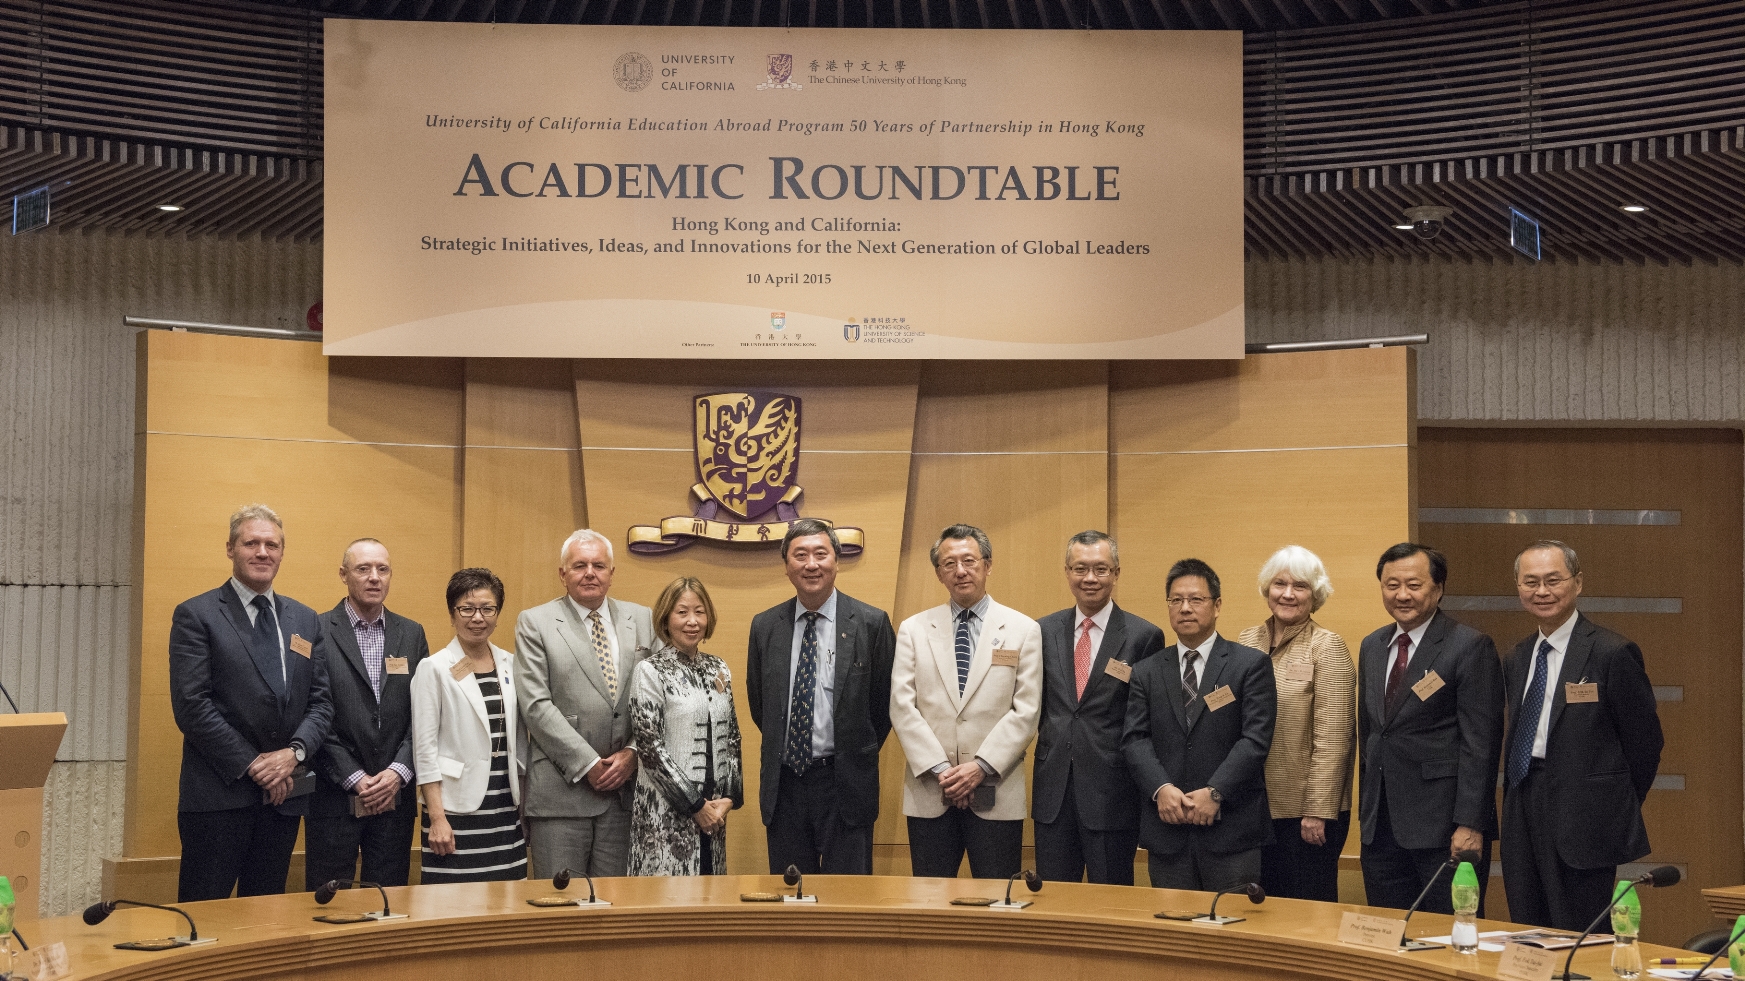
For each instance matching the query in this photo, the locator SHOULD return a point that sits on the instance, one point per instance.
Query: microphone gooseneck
(330, 888)
(1469, 856)
(1659, 876)
(793, 878)
(1032, 881)
(1738, 931)
(98, 912)
(561, 881)
(1255, 894)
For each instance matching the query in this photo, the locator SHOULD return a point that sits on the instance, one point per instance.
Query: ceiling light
(1634, 209)
(169, 207)
(1403, 228)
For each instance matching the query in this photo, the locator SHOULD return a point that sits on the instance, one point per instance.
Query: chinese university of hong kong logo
(748, 458)
(851, 332)
(778, 319)
(781, 73)
(632, 71)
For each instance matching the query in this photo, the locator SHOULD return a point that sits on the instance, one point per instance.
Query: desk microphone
(1738, 931)
(98, 912)
(1660, 877)
(20, 938)
(15, 711)
(561, 881)
(1256, 895)
(1471, 858)
(1032, 880)
(331, 887)
(793, 878)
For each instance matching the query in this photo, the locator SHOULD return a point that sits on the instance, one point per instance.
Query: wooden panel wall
(494, 462)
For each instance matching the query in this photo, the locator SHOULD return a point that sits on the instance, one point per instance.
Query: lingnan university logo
(748, 459)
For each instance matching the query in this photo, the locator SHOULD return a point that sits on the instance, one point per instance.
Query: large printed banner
(538, 191)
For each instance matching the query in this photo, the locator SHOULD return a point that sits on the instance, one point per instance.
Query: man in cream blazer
(966, 692)
(577, 655)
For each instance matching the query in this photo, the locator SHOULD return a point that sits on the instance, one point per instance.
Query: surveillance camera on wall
(1427, 220)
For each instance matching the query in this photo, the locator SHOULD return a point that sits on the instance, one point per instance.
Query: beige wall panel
(274, 422)
(856, 430)
(1019, 450)
(523, 477)
(1267, 401)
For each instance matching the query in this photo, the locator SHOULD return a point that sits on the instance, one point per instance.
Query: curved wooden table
(657, 928)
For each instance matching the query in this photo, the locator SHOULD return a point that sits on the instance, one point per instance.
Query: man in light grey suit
(576, 655)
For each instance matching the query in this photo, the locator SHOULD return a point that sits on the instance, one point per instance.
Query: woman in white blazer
(467, 744)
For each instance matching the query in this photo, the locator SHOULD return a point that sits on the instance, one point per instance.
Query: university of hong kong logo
(632, 71)
(851, 332)
(748, 459)
(781, 71)
(778, 319)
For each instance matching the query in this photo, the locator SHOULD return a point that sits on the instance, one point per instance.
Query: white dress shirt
(1416, 634)
(1099, 624)
(586, 629)
(248, 607)
(1559, 639)
(1205, 650)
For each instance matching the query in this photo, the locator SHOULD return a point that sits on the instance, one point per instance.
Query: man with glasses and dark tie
(1583, 746)
(575, 657)
(1429, 731)
(1084, 801)
(248, 685)
(1199, 725)
(966, 690)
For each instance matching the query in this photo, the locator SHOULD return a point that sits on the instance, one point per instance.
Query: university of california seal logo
(748, 459)
(632, 71)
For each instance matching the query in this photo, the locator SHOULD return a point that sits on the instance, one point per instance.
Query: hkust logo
(748, 460)
(781, 71)
(851, 332)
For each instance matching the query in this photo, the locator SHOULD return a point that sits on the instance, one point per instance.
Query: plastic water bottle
(1736, 949)
(1465, 934)
(1626, 924)
(8, 957)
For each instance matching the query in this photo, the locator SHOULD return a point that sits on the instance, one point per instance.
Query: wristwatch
(1217, 798)
(297, 751)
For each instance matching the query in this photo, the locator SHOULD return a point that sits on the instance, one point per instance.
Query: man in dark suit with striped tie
(818, 686)
(1584, 743)
(1084, 801)
(1429, 731)
(248, 685)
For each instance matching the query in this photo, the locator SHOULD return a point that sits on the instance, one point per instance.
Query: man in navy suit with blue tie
(248, 683)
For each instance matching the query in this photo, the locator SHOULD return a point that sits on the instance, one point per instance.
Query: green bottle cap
(1739, 929)
(6, 896)
(1624, 896)
(1465, 876)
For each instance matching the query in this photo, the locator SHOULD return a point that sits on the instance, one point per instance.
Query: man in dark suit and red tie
(248, 685)
(1199, 725)
(1429, 731)
(1083, 798)
(818, 686)
(1584, 744)
(363, 801)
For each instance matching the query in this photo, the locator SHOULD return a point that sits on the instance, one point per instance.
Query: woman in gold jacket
(1308, 772)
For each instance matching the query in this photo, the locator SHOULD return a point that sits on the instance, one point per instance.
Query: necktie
(1397, 674)
(603, 651)
(1527, 719)
(266, 637)
(963, 649)
(1081, 659)
(797, 753)
(1190, 681)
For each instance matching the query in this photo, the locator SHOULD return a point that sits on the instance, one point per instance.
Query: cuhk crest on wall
(748, 461)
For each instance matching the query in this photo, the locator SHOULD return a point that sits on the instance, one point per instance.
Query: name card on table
(1364, 930)
(1523, 963)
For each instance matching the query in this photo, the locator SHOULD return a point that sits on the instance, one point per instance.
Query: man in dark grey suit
(575, 657)
(364, 792)
(1429, 730)
(1199, 725)
(1084, 801)
(1583, 747)
(248, 685)
(818, 686)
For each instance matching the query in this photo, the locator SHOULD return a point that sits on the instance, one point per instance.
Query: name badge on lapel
(460, 669)
(1428, 685)
(1582, 693)
(301, 646)
(394, 665)
(1221, 697)
(1005, 657)
(1300, 671)
(1119, 670)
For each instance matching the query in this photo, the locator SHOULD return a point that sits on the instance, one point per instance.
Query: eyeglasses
(1094, 571)
(969, 564)
(1191, 602)
(1553, 583)
(469, 612)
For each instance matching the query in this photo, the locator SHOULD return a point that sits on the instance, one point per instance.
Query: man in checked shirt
(364, 792)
